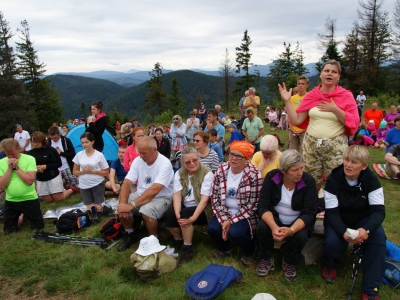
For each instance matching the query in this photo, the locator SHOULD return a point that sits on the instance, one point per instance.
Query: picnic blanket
(380, 170)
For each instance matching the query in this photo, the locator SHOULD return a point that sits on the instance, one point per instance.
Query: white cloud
(91, 35)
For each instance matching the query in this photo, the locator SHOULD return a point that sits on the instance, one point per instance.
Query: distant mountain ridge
(134, 77)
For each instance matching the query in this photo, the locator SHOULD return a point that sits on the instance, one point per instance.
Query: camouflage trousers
(321, 156)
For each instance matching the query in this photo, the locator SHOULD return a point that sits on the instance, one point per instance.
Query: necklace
(235, 177)
(288, 189)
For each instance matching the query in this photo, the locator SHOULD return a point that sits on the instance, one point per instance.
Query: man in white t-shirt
(23, 138)
(153, 175)
(361, 100)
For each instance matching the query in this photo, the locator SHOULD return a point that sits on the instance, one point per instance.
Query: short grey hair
(186, 151)
(149, 142)
(269, 143)
(253, 89)
(217, 106)
(290, 158)
(246, 92)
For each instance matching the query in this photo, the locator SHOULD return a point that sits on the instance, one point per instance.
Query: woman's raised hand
(285, 94)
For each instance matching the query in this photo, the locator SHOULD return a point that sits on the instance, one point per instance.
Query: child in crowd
(283, 123)
(363, 130)
(381, 135)
(152, 130)
(213, 144)
(233, 121)
(235, 135)
(365, 140)
(91, 167)
(372, 129)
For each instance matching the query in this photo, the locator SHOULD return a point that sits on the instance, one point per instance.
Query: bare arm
(177, 203)
(112, 180)
(295, 118)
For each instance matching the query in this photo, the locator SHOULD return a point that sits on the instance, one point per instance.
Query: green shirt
(17, 190)
(253, 128)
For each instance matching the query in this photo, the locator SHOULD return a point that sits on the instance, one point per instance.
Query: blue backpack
(391, 274)
(210, 282)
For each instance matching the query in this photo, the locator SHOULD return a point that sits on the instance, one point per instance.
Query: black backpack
(112, 229)
(72, 221)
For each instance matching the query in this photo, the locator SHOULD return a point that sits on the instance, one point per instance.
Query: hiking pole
(60, 238)
(356, 257)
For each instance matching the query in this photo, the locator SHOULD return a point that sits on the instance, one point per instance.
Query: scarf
(100, 115)
(343, 98)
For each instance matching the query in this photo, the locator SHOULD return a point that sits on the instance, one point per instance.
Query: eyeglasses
(192, 161)
(235, 156)
(197, 141)
(175, 119)
(270, 154)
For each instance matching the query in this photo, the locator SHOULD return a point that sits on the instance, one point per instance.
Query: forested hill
(191, 84)
(75, 90)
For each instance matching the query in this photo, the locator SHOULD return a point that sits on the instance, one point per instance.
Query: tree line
(26, 97)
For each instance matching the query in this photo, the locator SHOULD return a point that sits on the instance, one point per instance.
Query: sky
(120, 35)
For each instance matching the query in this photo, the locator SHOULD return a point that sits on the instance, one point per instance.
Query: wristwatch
(16, 168)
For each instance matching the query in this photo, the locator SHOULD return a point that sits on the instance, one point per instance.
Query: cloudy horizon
(86, 36)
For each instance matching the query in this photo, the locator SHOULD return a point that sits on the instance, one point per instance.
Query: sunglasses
(197, 141)
(192, 161)
(175, 119)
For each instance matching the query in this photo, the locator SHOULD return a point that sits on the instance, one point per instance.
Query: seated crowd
(259, 196)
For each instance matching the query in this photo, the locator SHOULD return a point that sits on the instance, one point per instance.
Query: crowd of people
(255, 190)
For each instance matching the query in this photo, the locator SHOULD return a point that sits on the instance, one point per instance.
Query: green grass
(35, 269)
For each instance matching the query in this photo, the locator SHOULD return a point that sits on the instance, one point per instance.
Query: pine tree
(44, 100)
(243, 63)
(82, 111)
(155, 99)
(328, 43)
(8, 67)
(176, 102)
(12, 92)
(366, 49)
(281, 71)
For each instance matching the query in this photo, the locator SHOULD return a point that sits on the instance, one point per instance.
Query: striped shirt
(211, 160)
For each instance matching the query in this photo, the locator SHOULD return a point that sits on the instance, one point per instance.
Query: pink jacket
(130, 155)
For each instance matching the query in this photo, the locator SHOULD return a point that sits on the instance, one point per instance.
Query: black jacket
(46, 156)
(97, 129)
(68, 150)
(346, 205)
(304, 197)
(164, 148)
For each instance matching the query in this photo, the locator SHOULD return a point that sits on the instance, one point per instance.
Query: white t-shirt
(232, 184)
(22, 138)
(97, 162)
(361, 99)
(58, 145)
(205, 189)
(284, 208)
(159, 172)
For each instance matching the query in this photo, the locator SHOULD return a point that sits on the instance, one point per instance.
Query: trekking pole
(356, 258)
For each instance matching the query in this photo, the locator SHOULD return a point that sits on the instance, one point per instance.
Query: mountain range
(135, 77)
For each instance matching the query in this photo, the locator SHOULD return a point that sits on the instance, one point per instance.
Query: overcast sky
(119, 35)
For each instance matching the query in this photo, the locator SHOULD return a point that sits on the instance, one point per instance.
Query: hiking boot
(178, 245)
(94, 215)
(107, 211)
(127, 240)
(265, 266)
(186, 255)
(246, 260)
(369, 297)
(329, 275)
(289, 271)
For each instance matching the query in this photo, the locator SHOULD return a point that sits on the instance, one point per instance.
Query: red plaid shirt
(247, 195)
